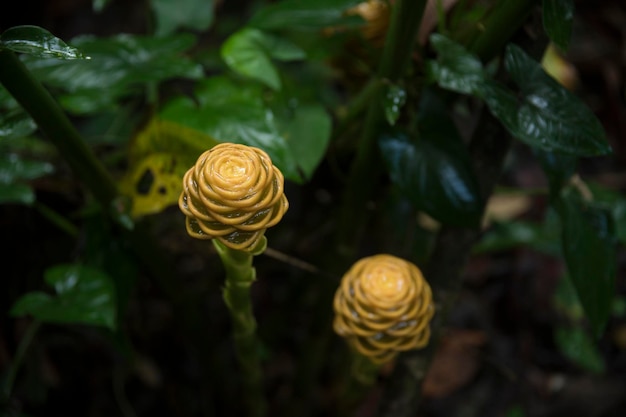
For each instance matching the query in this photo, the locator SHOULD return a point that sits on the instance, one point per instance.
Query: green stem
(42, 107)
(364, 172)
(55, 218)
(19, 357)
(240, 274)
(499, 26)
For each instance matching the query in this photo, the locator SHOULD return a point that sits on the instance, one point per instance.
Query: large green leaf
(230, 111)
(182, 14)
(434, 170)
(455, 69)
(249, 52)
(13, 168)
(615, 203)
(37, 41)
(580, 348)
(544, 114)
(590, 254)
(16, 124)
(83, 295)
(307, 132)
(119, 66)
(558, 17)
(304, 14)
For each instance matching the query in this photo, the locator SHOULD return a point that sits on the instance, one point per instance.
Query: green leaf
(455, 69)
(566, 300)
(307, 133)
(615, 203)
(120, 66)
(99, 5)
(434, 170)
(590, 254)
(558, 17)
(16, 124)
(577, 346)
(303, 14)
(249, 52)
(38, 42)
(84, 295)
(393, 101)
(13, 167)
(544, 115)
(230, 111)
(182, 14)
(16, 193)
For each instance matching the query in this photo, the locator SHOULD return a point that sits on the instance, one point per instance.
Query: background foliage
(483, 145)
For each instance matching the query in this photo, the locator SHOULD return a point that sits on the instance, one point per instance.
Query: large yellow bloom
(233, 193)
(383, 306)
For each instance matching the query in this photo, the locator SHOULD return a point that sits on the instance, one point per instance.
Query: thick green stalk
(45, 111)
(499, 26)
(240, 274)
(399, 45)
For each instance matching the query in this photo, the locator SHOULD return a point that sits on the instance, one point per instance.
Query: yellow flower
(383, 306)
(233, 193)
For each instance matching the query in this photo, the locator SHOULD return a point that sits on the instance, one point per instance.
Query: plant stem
(364, 172)
(240, 274)
(499, 26)
(38, 102)
(55, 218)
(23, 346)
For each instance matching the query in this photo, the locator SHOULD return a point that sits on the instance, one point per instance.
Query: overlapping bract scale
(233, 193)
(383, 306)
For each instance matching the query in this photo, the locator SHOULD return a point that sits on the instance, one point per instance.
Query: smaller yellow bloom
(233, 193)
(383, 306)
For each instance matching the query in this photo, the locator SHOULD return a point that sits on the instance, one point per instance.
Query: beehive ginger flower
(233, 193)
(383, 306)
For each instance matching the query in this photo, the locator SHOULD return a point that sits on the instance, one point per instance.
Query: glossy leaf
(615, 203)
(13, 167)
(249, 52)
(307, 133)
(37, 41)
(16, 193)
(577, 346)
(455, 69)
(435, 171)
(558, 17)
(303, 14)
(230, 111)
(16, 124)
(590, 254)
(544, 114)
(394, 99)
(118, 67)
(182, 14)
(83, 295)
